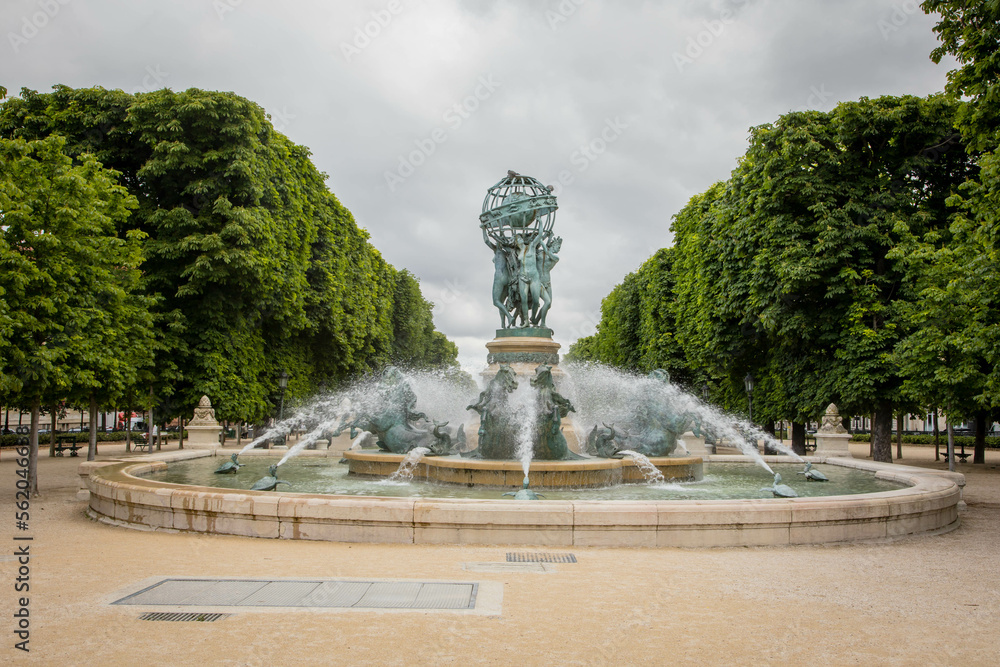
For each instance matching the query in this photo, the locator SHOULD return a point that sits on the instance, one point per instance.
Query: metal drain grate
(178, 616)
(315, 593)
(514, 557)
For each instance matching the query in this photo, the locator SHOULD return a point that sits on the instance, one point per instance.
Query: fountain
(607, 448)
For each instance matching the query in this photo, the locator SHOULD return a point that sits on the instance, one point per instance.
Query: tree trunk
(882, 432)
(951, 446)
(149, 424)
(36, 408)
(899, 435)
(180, 435)
(128, 427)
(767, 427)
(92, 446)
(224, 427)
(799, 438)
(980, 454)
(52, 431)
(239, 434)
(937, 438)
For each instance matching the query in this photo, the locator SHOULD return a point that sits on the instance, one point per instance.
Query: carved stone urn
(203, 430)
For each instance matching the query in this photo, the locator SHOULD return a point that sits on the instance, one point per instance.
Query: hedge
(10, 440)
(992, 442)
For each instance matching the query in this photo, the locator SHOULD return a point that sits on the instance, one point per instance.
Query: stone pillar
(203, 430)
(832, 439)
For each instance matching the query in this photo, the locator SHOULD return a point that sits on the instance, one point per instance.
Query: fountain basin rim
(929, 505)
(507, 474)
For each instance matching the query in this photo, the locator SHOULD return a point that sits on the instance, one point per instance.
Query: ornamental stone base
(833, 444)
(524, 353)
(203, 431)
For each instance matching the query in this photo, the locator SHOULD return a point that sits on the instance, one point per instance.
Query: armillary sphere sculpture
(517, 218)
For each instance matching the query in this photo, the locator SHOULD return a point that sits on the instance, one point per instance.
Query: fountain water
(408, 464)
(649, 471)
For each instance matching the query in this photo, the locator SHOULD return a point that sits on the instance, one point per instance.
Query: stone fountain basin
(930, 503)
(510, 474)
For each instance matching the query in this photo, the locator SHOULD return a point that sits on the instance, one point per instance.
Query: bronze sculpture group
(517, 223)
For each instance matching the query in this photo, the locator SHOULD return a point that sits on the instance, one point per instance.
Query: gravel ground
(927, 600)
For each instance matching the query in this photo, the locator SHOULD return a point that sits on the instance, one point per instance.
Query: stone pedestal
(695, 444)
(524, 350)
(203, 430)
(832, 439)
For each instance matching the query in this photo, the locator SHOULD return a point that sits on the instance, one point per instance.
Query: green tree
(959, 271)
(68, 281)
(255, 266)
(637, 327)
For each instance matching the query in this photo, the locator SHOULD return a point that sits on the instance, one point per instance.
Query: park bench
(958, 454)
(64, 442)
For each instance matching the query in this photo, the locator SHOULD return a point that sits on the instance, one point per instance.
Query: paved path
(931, 600)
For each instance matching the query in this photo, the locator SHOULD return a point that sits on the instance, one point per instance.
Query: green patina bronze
(270, 481)
(652, 431)
(525, 332)
(498, 425)
(517, 218)
(392, 418)
(525, 493)
(550, 358)
(551, 407)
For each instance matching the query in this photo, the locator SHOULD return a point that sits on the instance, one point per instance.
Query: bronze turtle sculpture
(525, 493)
(229, 467)
(780, 490)
(813, 475)
(270, 481)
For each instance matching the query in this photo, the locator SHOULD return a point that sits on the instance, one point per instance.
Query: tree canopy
(791, 270)
(247, 264)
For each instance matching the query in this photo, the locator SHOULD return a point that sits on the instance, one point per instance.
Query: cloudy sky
(415, 107)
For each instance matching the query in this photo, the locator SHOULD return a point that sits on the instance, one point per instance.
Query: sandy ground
(928, 600)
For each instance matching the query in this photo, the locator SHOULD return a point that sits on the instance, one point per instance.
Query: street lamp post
(282, 384)
(708, 435)
(748, 384)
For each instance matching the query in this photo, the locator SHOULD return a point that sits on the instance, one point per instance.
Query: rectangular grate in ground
(528, 557)
(314, 593)
(181, 616)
